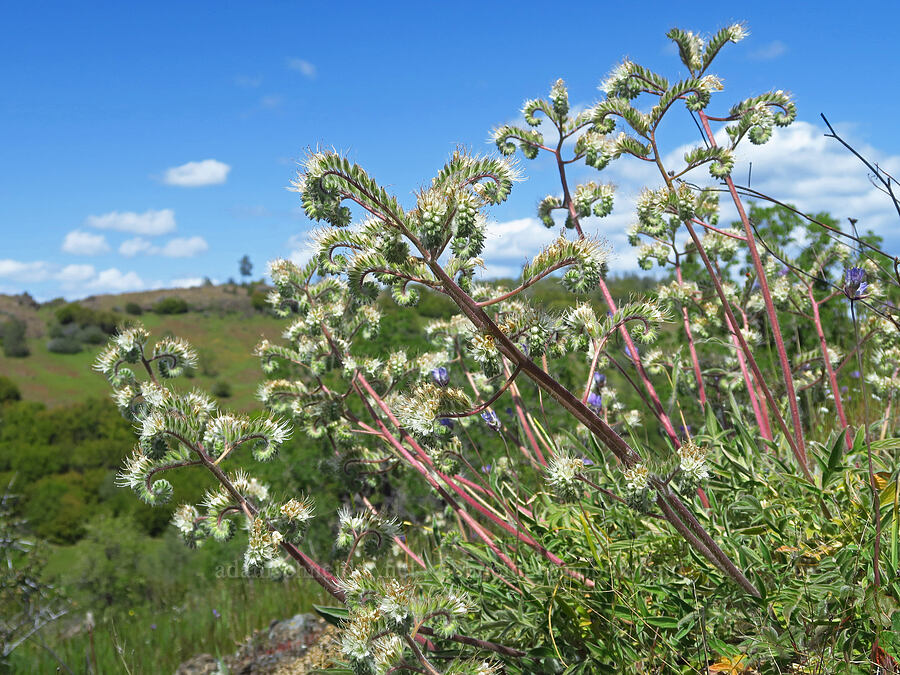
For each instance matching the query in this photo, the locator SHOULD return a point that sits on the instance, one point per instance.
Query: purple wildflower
(491, 418)
(855, 284)
(216, 613)
(448, 422)
(587, 462)
(594, 400)
(599, 380)
(152, 626)
(486, 468)
(855, 374)
(441, 376)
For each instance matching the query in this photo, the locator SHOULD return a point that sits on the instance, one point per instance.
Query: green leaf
(333, 615)
(662, 621)
(834, 459)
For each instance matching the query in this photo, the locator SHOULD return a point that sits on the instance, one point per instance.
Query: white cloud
(131, 247)
(509, 245)
(113, 281)
(303, 67)
(769, 51)
(25, 271)
(75, 274)
(179, 247)
(184, 247)
(197, 174)
(302, 249)
(271, 101)
(802, 167)
(188, 282)
(149, 223)
(78, 242)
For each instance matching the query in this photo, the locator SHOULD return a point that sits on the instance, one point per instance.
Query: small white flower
(637, 478)
(183, 518)
(693, 461)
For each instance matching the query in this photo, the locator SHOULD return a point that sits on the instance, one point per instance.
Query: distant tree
(246, 266)
(12, 335)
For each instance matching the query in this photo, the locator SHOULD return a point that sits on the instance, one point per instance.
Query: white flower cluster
(637, 478)
(693, 461)
(183, 518)
(262, 545)
(562, 474)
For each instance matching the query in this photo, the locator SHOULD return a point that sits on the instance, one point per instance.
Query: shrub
(258, 299)
(171, 305)
(64, 345)
(75, 313)
(221, 389)
(133, 308)
(13, 335)
(91, 335)
(8, 390)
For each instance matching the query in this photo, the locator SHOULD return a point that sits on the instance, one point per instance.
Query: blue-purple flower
(216, 613)
(441, 376)
(594, 400)
(599, 380)
(448, 422)
(486, 468)
(855, 284)
(491, 418)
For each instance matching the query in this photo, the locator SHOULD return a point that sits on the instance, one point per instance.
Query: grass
(144, 640)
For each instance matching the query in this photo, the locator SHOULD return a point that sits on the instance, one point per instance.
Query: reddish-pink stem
(515, 531)
(397, 540)
(645, 380)
(770, 311)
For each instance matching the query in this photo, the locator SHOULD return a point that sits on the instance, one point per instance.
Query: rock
(283, 648)
(202, 664)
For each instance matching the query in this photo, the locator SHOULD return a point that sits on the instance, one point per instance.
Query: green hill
(221, 322)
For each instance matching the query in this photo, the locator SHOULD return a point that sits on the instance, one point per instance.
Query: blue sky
(150, 145)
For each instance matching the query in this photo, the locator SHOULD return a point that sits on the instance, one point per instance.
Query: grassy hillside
(221, 322)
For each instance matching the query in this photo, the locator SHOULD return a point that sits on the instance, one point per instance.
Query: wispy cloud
(78, 242)
(150, 223)
(197, 174)
(179, 247)
(247, 82)
(303, 67)
(270, 101)
(769, 51)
